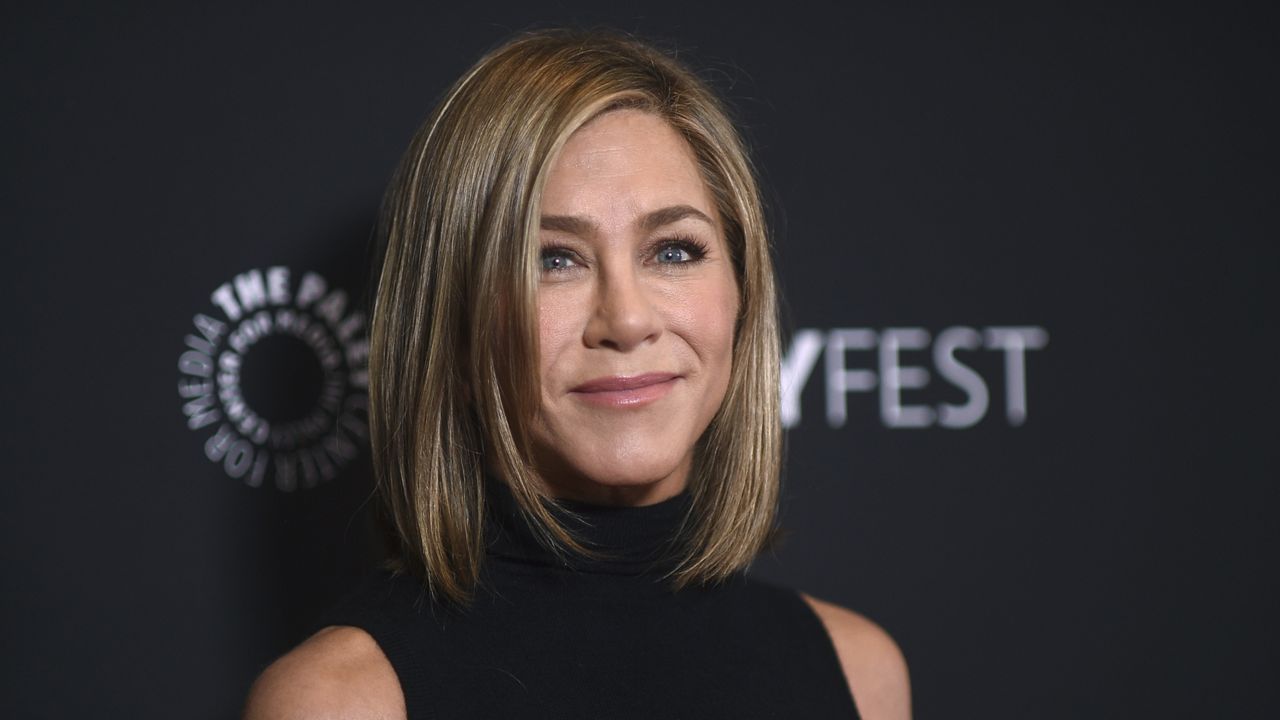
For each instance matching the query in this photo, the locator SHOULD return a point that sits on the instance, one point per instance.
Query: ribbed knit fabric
(600, 638)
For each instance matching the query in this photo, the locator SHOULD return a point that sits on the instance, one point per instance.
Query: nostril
(623, 328)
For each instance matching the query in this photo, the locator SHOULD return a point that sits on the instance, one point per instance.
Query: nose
(624, 316)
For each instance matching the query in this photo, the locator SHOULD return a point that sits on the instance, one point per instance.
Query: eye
(680, 251)
(556, 259)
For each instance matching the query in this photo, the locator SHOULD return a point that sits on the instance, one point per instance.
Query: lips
(618, 391)
(615, 383)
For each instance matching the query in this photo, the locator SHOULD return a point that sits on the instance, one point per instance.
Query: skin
(614, 300)
(622, 297)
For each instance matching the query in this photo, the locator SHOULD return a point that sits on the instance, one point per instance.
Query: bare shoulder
(340, 672)
(872, 662)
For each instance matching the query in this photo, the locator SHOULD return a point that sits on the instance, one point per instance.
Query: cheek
(706, 318)
(557, 329)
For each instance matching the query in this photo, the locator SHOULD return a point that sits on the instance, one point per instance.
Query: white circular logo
(277, 377)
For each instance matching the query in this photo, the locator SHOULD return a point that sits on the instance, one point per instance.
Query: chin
(635, 473)
(613, 459)
(613, 476)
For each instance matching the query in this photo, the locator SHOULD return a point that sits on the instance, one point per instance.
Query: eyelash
(696, 249)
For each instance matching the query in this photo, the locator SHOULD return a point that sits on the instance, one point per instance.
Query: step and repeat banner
(1028, 266)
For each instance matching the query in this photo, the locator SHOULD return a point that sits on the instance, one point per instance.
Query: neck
(631, 539)
(568, 485)
(618, 495)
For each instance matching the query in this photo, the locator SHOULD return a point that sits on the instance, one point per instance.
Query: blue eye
(673, 254)
(680, 251)
(553, 260)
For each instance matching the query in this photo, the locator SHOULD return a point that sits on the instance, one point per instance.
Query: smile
(626, 392)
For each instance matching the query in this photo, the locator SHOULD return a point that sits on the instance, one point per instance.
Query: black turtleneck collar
(637, 540)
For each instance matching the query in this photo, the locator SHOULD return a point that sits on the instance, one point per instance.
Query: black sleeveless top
(592, 638)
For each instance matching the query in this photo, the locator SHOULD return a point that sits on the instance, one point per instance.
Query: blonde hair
(453, 359)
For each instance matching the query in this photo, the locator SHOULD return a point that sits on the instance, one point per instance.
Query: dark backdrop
(1028, 258)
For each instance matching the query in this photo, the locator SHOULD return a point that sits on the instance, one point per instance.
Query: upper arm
(340, 672)
(871, 660)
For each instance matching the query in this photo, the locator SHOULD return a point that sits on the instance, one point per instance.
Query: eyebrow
(582, 227)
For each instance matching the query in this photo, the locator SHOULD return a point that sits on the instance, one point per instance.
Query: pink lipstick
(626, 392)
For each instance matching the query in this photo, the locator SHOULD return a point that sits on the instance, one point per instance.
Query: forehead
(621, 164)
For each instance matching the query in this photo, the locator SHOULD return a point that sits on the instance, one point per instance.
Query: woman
(574, 414)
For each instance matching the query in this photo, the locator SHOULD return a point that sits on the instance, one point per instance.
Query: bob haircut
(453, 365)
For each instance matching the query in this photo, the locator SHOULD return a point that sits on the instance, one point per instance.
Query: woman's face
(636, 310)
